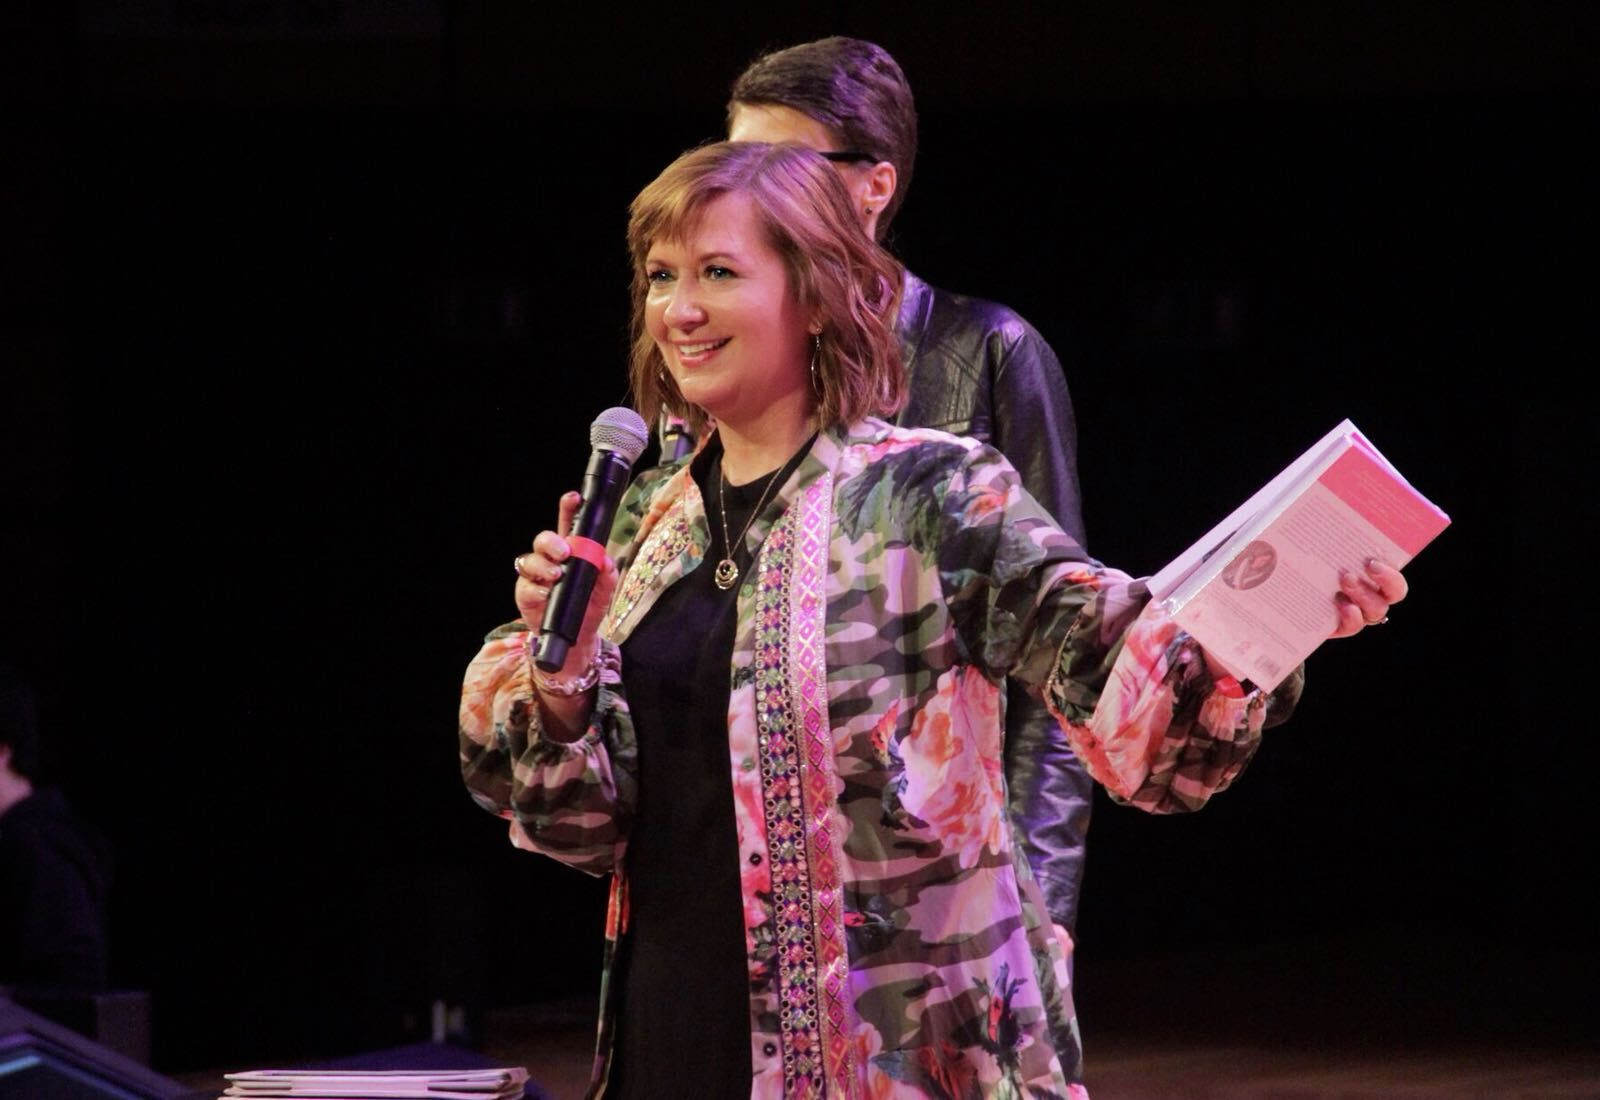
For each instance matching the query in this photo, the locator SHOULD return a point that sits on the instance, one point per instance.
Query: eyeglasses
(848, 156)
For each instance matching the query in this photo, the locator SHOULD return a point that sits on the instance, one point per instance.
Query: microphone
(618, 437)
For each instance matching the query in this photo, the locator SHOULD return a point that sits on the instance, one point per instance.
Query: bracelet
(565, 689)
(577, 685)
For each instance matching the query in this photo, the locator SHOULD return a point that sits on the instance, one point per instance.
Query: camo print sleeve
(1129, 686)
(570, 801)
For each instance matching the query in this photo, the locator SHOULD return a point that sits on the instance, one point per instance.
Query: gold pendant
(726, 574)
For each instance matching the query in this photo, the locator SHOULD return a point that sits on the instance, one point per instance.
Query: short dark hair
(19, 720)
(849, 85)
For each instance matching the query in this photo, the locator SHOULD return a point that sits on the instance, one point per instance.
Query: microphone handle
(603, 483)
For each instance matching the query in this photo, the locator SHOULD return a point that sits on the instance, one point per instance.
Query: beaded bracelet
(576, 685)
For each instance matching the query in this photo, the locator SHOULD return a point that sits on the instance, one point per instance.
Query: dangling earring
(816, 350)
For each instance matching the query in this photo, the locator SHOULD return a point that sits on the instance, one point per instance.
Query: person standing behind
(975, 368)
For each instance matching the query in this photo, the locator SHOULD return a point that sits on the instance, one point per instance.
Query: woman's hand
(1364, 598)
(1362, 601)
(537, 574)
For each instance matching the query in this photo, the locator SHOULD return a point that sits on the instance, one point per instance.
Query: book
(1257, 590)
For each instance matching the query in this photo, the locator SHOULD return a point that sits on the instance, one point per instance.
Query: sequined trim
(662, 546)
(809, 677)
(796, 755)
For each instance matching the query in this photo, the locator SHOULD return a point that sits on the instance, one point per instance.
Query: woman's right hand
(537, 574)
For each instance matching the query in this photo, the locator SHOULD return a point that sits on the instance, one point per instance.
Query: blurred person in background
(55, 867)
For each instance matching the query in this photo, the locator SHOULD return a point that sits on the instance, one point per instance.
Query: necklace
(728, 572)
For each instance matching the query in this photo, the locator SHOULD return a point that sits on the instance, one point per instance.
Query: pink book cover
(1262, 601)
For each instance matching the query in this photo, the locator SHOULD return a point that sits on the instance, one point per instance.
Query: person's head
(753, 280)
(836, 95)
(19, 722)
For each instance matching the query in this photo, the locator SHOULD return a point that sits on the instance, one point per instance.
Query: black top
(683, 1025)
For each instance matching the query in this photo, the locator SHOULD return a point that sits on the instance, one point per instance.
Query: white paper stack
(327, 1084)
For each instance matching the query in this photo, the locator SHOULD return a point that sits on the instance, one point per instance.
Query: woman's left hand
(1364, 598)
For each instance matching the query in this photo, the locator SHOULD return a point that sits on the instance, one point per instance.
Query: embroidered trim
(809, 675)
(797, 781)
(798, 1022)
(662, 546)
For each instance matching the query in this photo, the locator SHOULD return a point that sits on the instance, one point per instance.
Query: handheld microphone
(618, 437)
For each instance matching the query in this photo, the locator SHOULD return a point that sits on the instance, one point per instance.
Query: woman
(780, 727)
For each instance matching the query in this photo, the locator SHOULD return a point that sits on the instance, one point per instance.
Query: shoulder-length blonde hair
(836, 272)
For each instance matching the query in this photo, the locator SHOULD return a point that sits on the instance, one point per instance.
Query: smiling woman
(734, 338)
(812, 296)
(789, 763)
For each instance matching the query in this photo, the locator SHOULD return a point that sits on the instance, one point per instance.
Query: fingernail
(1349, 580)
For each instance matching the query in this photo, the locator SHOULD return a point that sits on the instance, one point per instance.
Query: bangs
(671, 217)
(671, 206)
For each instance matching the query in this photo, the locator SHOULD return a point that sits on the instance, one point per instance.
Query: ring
(1376, 622)
(517, 564)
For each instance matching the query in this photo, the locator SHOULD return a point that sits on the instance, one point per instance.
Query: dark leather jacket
(976, 368)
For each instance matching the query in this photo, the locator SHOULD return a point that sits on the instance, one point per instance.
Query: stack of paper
(328, 1084)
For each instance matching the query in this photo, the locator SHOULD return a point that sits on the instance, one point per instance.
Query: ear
(881, 182)
(876, 191)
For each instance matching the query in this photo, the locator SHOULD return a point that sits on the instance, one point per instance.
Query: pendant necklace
(727, 572)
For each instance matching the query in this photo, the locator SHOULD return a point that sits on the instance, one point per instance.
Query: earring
(816, 350)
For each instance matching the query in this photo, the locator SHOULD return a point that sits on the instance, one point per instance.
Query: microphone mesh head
(620, 429)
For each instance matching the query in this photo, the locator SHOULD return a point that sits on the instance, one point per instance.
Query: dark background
(308, 306)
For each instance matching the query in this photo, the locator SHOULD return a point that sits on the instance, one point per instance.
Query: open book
(1257, 589)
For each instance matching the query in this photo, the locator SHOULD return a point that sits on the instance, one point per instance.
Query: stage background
(309, 307)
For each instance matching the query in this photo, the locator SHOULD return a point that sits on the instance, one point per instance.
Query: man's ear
(881, 180)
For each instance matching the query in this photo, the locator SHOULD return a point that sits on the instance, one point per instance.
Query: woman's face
(721, 312)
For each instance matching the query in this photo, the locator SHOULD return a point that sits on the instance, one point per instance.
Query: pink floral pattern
(898, 946)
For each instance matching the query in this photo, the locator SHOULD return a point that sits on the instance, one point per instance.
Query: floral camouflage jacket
(897, 943)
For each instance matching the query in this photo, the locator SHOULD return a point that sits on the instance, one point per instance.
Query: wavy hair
(835, 272)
